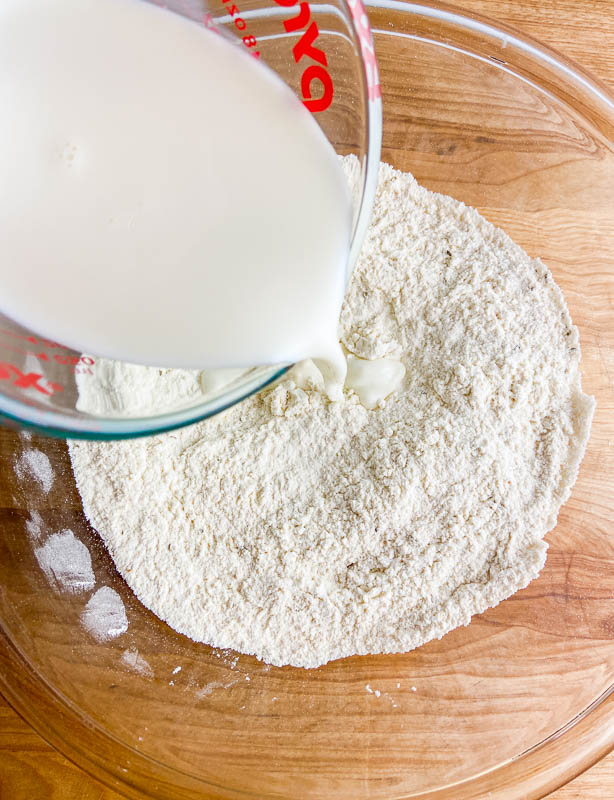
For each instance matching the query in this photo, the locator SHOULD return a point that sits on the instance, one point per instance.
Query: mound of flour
(302, 530)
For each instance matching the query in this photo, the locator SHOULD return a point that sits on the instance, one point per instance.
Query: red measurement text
(31, 380)
(240, 24)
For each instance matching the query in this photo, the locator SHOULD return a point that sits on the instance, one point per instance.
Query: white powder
(211, 687)
(34, 526)
(104, 615)
(35, 464)
(120, 389)
(132, 659)
(302, 530)
(66, 562)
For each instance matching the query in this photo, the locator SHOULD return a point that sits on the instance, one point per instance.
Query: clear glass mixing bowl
(507, 708)
(38, 377)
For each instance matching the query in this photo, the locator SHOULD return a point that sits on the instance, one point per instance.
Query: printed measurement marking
(65, 361)
(47, 343)
(31, 380)
(248, 40)
(31, 338)
(366, 45)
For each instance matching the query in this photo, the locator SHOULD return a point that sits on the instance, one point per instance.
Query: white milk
(373, 381)
(164, 198)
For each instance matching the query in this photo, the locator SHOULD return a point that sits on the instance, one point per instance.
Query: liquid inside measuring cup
(165, 199)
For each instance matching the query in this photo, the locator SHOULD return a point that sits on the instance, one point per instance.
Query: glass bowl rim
(64, 732)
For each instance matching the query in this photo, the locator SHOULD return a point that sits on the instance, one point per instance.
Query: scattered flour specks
(34, 526)
(213, 685)
(66, 562)
(135, 661)
(104, 616)
(228, 657)
(35, 464)
(380, 693)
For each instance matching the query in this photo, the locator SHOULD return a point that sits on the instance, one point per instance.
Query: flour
(211, 687)
(301, 530)
(104, 615)
(121, 389)
(36, 465)
(66, 562)
(118, 389)
(34, 526)
(132, 659)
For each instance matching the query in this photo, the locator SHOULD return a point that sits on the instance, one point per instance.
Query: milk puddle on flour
(165, 198)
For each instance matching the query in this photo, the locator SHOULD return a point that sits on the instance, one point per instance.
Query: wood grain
(30, 769)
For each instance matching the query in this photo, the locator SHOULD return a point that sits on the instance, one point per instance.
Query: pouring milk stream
(166, 199)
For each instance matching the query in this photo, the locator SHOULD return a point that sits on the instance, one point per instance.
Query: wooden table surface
(583, 30)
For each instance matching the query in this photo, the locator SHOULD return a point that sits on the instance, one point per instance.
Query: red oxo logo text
(315, 74)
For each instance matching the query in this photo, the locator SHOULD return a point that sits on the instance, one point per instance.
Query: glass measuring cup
(324, 52)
